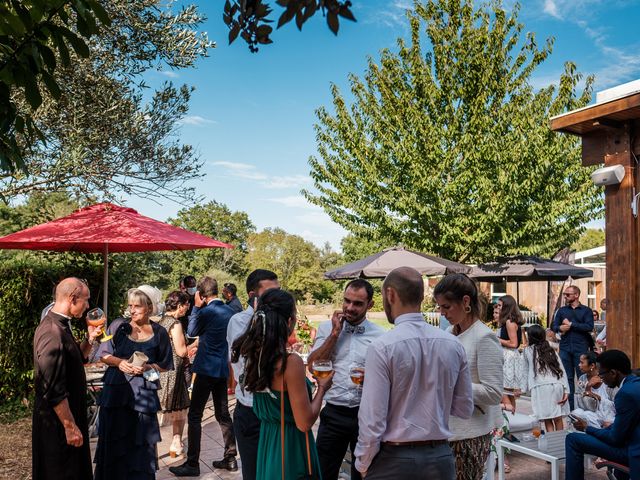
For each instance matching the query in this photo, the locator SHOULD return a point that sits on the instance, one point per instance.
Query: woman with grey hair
(128, 429)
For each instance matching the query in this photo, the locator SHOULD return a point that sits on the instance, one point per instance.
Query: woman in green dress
(271, 372)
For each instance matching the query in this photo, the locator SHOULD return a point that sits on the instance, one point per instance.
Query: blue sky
(252, 115)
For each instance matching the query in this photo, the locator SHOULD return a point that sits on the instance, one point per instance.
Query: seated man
(620, 442)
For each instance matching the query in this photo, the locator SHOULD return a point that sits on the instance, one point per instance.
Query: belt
(344, 409)
(422, 443)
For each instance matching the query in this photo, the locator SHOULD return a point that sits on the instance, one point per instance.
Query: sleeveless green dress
(266, 406)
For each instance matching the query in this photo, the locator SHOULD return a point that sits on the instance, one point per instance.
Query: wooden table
(554, 453)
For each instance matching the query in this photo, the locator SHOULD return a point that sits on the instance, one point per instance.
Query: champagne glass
(96, 318)
(356, 372)
(322, 368)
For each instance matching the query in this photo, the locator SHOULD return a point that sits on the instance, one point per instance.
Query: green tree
(294, 259)
(29, 33)
(39, 207)
(447, 149)
(591, 238)
(356, 248)
(215, 220)
(107, 133)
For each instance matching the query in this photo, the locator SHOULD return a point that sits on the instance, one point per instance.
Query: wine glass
(96, 318)
(356, 372)
(322, 368)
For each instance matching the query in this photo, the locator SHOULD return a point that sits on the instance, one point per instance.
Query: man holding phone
(620, 442)
(208, 321)
(344, 340)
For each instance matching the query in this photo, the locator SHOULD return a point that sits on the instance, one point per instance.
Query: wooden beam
(623, 260)
(607, 123)
(593, 148)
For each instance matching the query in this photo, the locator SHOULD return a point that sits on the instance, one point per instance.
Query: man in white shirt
(246, 425)
(416, 376)
(343, 340)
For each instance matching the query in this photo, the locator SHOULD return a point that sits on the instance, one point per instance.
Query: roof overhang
(601, 116)
(602, 126)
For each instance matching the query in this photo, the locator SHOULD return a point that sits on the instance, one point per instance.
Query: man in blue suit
(208, 321)
(574, 323)
(620, 442)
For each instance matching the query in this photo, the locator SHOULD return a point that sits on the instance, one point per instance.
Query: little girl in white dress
(546, 380)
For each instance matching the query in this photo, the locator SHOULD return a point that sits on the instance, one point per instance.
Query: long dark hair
(265, 341)
(510, 311)
(544, 356)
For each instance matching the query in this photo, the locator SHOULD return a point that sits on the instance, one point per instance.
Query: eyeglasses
(602, 373)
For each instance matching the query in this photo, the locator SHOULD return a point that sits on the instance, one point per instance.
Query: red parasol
(106, 228)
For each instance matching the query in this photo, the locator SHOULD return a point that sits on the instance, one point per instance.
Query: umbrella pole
(548, 303)
(105, 279)
(518, 293)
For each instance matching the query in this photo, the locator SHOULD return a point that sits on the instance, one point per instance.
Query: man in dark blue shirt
(574, 323)
(208, 321)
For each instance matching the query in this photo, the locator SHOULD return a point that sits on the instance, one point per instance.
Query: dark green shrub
(26, 287)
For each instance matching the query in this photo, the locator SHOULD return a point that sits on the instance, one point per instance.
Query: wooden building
(610, 133)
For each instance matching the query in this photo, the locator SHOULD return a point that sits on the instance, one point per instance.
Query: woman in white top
(458, 300)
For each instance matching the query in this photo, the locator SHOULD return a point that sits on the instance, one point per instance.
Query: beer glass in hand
(356, 372)
(322, 368)
(96, 318)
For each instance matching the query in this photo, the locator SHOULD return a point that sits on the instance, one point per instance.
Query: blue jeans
(571, 364)
(578, 444)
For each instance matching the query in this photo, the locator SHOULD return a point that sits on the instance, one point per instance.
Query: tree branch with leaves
(250, 20)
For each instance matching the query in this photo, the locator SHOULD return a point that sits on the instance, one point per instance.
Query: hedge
(26, 287)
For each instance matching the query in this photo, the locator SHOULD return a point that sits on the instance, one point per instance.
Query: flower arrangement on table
(500, 432)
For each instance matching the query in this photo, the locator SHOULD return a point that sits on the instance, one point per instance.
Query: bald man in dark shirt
(60, 435)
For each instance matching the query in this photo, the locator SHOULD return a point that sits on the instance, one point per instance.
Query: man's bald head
(68, 287)
(72, 297)
(408, 285)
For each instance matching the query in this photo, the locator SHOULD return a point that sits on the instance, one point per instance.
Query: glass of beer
(96, 318)
(322, 368)
(356, 372)
(536, 431)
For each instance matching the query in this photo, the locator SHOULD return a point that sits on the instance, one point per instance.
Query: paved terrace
(522, 467)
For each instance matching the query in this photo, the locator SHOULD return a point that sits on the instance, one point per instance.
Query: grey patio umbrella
(527, 268)
(380, 264)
